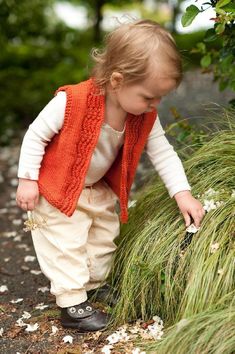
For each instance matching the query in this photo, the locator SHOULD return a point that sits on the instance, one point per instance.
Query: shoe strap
(80, 311)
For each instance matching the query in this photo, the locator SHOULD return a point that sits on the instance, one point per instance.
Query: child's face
(144, 96)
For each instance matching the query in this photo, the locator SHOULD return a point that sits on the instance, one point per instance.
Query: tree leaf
(220, 28)
(191, 12)
(229, 8)
(206, 60)
(210, 35)
(222, 3)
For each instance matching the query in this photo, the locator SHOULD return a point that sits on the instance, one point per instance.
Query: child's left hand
(190, 208)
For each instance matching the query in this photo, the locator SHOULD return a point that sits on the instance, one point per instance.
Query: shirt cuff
(33, 175)
(179, 188)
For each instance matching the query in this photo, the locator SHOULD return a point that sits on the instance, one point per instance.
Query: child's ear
(116, 80)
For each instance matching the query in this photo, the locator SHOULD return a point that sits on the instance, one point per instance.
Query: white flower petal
(21, 323)
(214, 247)
(137, 351)
(41, 306)
(29, 258)
(16, 301)
(3, 288)
(132, 203)
(68, 339)
(43, 289)
(36, 272)
(54, 329)
(192, 229)
(26, 315)
(107, 349)
(32, 327)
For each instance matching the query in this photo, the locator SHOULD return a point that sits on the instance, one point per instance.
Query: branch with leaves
(220, 61)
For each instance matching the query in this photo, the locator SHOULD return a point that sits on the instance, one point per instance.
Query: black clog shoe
(84, 318)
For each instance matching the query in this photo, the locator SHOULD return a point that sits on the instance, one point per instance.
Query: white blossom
(211, 192)
(41, 306)
(21, 323)
(155, 330)
(233, 193)
(3, 288)
(29, 258)
(54, 329)
(26, 315)
(68, 339)
(32, 327)
(36, 272)
(43, 289)
(137, 351)
(113, 338)
(119, 336)
(132, 203)
(214, 247)
(16, 301)
(107, 349)
(1, 332)
(220, 271)
(134, 330)
(209, 205)
(192, 229)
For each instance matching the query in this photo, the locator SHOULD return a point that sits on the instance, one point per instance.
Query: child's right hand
(27, 194)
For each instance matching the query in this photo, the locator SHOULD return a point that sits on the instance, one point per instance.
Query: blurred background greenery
(40, 50)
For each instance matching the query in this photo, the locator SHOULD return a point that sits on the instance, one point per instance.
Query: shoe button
(72, 309)
(89, 308)
(80, 311)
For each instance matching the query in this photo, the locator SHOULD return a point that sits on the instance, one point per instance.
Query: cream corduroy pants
(75, 253)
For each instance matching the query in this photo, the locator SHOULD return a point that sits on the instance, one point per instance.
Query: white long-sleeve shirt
(49, 122)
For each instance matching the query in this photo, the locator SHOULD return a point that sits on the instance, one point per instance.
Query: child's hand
(27, 194)
(190, 208)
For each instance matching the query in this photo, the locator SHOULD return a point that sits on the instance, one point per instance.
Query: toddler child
(79, 157)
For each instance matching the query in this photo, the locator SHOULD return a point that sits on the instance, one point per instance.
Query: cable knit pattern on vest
(68, 155)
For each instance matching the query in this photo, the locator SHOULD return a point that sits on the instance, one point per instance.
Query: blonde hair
(132, 48)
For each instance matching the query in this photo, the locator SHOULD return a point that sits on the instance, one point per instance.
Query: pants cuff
(71, 298)
(94, 285)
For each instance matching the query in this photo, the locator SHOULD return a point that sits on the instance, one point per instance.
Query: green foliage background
(38, 54)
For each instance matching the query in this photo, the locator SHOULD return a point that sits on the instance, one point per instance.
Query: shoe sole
(74, 326)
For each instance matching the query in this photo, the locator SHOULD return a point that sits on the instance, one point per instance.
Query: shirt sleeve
(166, 161)
(39, 134)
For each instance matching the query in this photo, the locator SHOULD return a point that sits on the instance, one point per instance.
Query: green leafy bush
(221, 61)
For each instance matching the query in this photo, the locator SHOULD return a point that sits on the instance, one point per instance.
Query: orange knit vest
(68, 155)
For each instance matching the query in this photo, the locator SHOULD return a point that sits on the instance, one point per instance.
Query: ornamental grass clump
(162, 270)
(207, 332)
